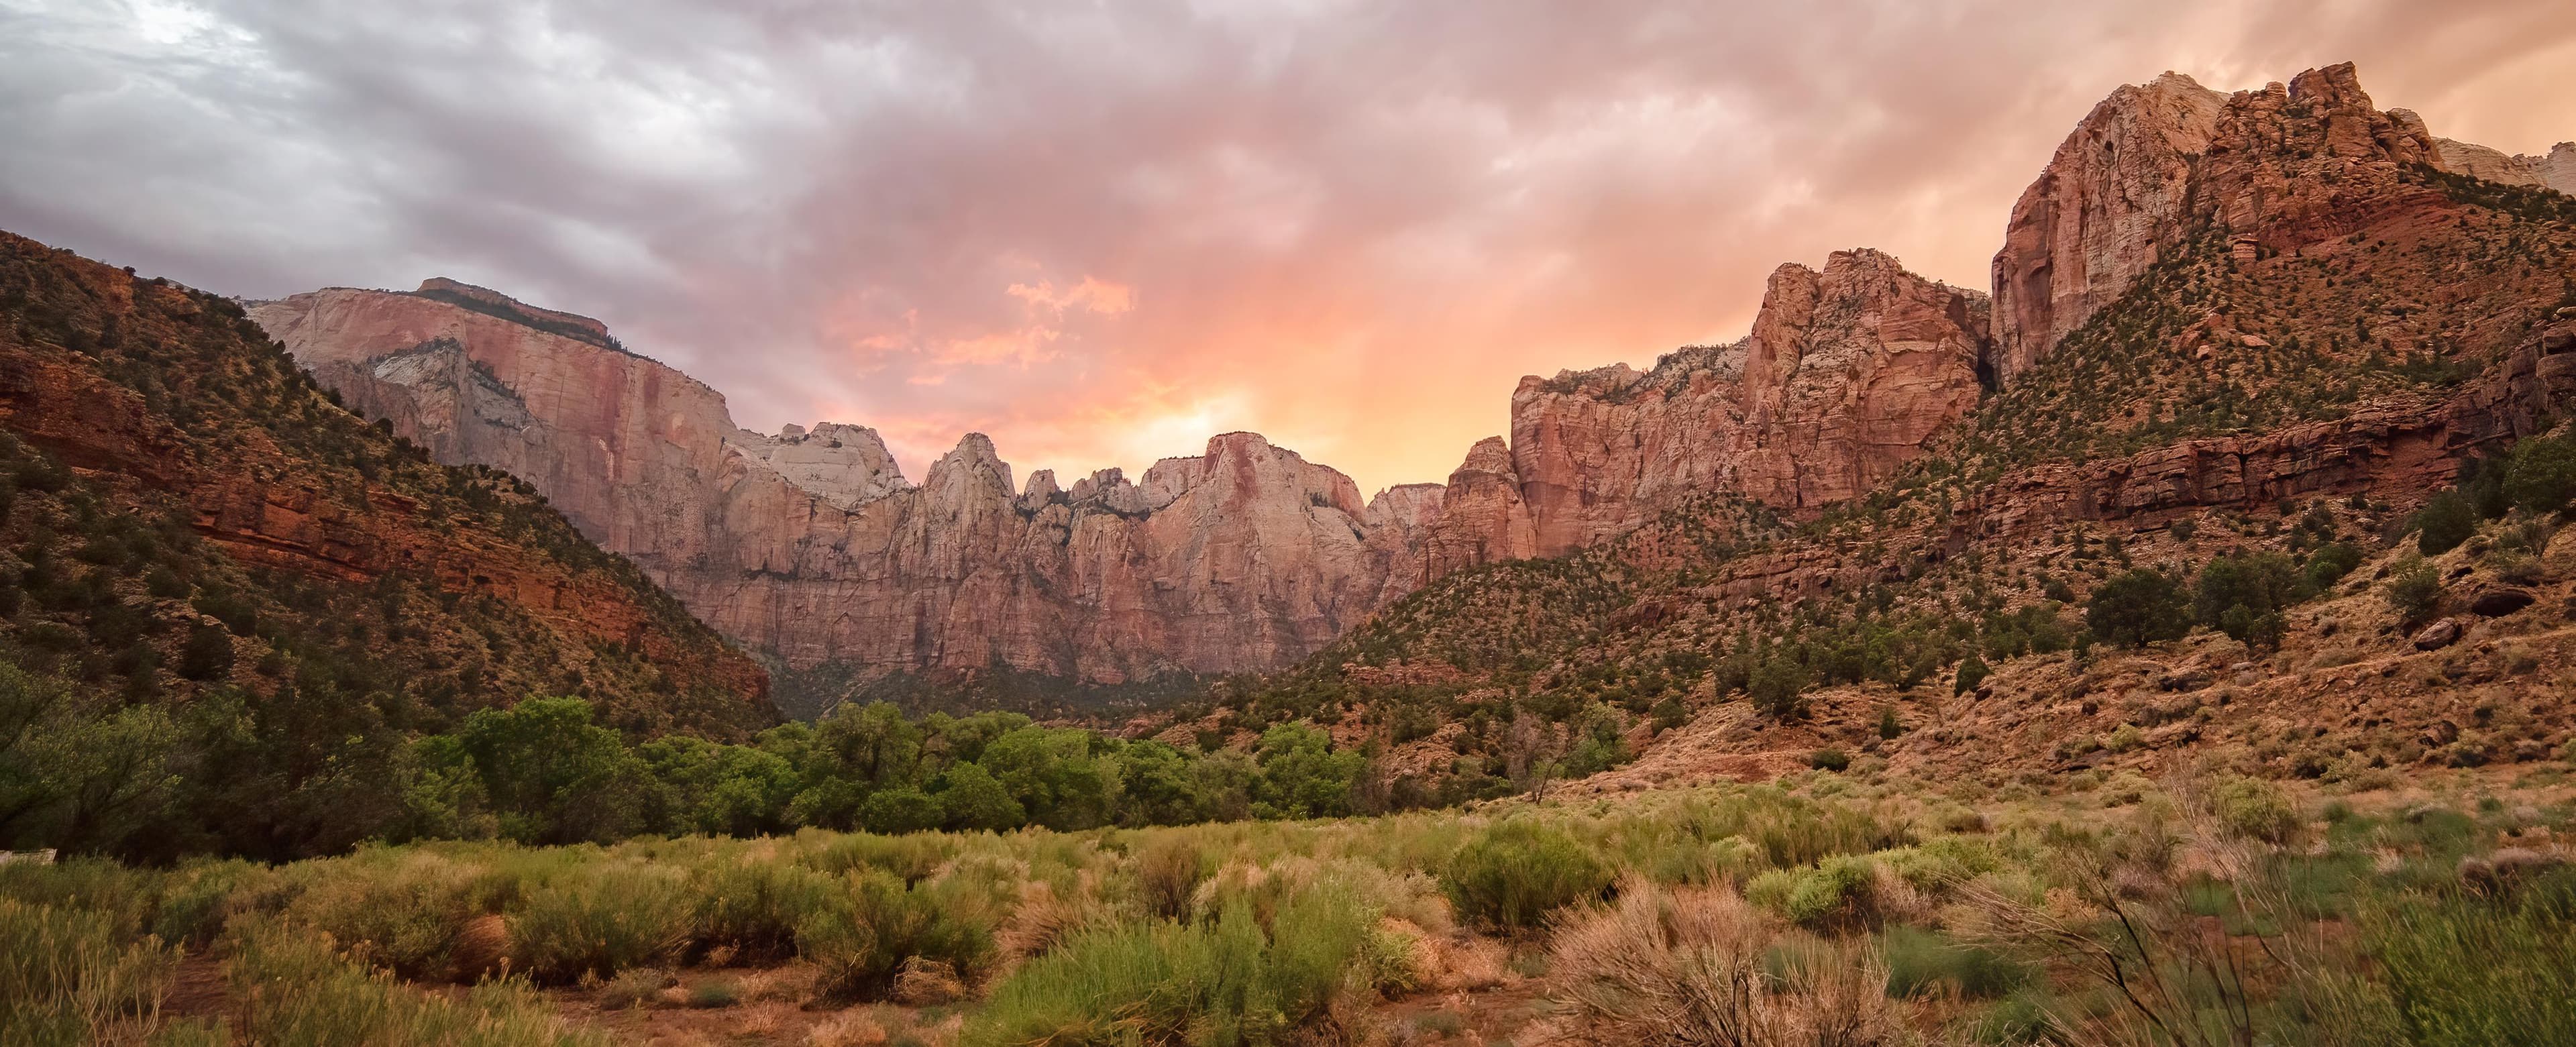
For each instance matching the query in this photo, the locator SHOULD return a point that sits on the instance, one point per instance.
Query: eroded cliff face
(173, 408)
(2275, 167)
(810, 543)
(1846, 373)
(2554, 170)
(2107, 204)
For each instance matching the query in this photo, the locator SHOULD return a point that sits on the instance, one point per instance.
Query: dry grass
(925, 982)
(847, 1029)
(1045, 916)
(1685, 966)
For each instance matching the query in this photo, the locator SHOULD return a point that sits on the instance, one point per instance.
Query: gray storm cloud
(1102, 232)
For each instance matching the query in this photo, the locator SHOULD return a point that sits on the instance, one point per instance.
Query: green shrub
(601, 920)
(2444, 522)
(2024, 1017)
(2465, 970)
(1512, 875)
(1920, 961)
(1942, 862)
(1226, 981)
(1168, 873)
(196, 900)
(754, 906)
(1972, 673)
(633, 987)
(720, 992)
(1835, 891)
(1829, 759)
(2541, 476)
(913, 857)
(2415, 590)
(396, 909)
(2254, 809)
(2330, 563)
(862, 936)
(300, 995)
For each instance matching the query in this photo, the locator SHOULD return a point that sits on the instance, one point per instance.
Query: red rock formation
(1846, 373)
(2271, 165)
(1482, 518)
(2108, 202)
(811, 545)
(280, 501)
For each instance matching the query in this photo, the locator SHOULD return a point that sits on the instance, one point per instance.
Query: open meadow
(1828, 908)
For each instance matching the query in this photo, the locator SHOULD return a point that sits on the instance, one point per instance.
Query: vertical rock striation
(811, 545)
(2154, 163)
(1846, 373)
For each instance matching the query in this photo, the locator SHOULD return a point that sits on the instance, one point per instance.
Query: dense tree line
(82, 769)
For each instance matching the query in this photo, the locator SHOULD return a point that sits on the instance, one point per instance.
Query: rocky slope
(2335, 329)
(2156, 164)
(188, 513)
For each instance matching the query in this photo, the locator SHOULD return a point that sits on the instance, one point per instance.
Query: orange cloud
(1092, 231)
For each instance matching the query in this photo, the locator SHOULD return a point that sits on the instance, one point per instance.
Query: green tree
(552, 775)
(2136, 608)
(2415, 590)
(1054, 775)
(2330, 563)
(1775, 686)
(711, 787)
(1302, 776)
(1162, 788)
(207, 654)
(974, 800)
(79, 772)
(442, 794)
(2541, 476)
(2444, 522)
(901, 809)
(875, 746)
(2242, 596)
(1972, 673)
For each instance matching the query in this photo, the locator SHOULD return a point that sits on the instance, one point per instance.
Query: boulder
(2438, 635)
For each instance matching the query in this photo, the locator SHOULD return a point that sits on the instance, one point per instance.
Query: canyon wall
(811, 544)
(1847, 371)
(2153, 163)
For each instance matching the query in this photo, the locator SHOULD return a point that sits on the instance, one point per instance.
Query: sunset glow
(1102, 234)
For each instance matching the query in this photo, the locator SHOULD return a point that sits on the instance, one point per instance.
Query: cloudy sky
(1102, 231)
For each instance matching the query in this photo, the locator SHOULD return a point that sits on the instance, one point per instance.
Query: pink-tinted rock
(1845, 374)
(2108, 203)
(2274, 167)
(810, 544)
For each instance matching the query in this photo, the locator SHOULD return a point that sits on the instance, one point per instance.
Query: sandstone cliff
(393, 582)
(810, 544)
(1845, 374)
(2154, 163)
(2106, 204)
(2557, 170)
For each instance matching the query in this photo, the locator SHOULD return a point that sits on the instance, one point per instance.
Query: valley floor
(1871, 906)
